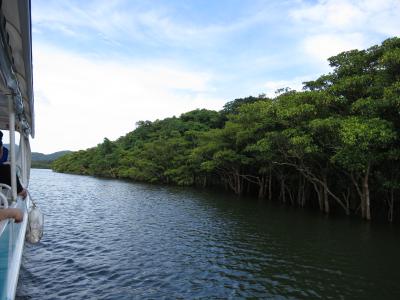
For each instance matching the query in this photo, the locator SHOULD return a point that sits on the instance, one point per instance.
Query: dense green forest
(334, 146)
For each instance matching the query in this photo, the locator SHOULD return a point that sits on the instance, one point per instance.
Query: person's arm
(11, 213)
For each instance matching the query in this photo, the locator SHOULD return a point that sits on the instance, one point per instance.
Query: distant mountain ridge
(44, 161)
(37, 156)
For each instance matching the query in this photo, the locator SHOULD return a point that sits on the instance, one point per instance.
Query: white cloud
(338, 14)
(323, 46)
(333, 26)
(115, 21)
(350, 15)
(80, 101)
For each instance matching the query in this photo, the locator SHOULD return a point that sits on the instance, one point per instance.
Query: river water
(111, 239)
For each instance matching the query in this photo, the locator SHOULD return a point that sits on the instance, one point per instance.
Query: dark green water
(110, 239)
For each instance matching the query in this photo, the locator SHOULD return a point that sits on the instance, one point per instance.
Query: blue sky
(101, 66)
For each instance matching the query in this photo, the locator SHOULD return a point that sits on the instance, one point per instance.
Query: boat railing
(5, 190)
(3, 196)
(3, 205)
(12, 236)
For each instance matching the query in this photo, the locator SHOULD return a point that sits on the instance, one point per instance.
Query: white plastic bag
(34, 229)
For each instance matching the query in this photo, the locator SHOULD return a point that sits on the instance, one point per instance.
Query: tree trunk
(346, 197)
(238, 183)
(283, 194)
(205, 182)
(270, 186)
(391, 205)
(248, 188)
(290, 194)
(299, 190)
(326, 199)
(265, 186)
(360, 193)
(319, 195)
(226, 183)
(262, 188)
(366, 196)
(304, 196)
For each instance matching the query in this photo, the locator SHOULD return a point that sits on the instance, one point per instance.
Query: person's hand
(16, 214)
(23, 193)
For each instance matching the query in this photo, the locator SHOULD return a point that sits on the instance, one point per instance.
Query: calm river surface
(110, 239)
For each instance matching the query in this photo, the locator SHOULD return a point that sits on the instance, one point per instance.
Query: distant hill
(36, 156)
(43, 161)
(40, 160)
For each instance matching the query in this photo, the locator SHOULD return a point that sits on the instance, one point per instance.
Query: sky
(100, 66)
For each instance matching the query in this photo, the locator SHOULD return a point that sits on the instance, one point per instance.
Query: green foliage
(343, 125)
(363, 142)
(41, 164)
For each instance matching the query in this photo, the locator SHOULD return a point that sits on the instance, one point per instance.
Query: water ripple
(109, 239)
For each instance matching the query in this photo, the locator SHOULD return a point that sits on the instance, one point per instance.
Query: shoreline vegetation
(334, 146)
